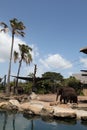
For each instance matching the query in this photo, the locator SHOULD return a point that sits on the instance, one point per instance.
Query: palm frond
(17, 27)
(16, 55)
(28, 58)
(3, 24)
(5, 27)
(20, 33)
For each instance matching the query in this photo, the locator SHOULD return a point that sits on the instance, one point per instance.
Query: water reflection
(59, 120)
(5, 118)
(16, 121)
(49, 119)
(13, 121)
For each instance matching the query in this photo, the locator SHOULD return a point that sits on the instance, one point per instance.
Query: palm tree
(17, 28)
(25, 56)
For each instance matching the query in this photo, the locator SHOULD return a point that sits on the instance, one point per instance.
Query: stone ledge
(44, 109)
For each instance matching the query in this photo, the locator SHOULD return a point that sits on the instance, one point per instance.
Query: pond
(18, 121)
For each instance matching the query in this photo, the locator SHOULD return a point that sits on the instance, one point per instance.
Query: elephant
(67, 94)
(20, 90)
(68, 97)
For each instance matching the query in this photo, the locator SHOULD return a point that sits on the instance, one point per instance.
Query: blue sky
(55, 29)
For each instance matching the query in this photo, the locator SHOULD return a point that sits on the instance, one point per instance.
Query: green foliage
(2, 87)
(53, 76)
(56, 80)
(27, 86)
(73, 82)
(49, 84)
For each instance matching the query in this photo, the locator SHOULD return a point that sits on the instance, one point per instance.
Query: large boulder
(3, 105)
(32, 107)
(81, 114)
(33, 96)
(60, 112)
(14, 102)
(9, 106)
(47, 111)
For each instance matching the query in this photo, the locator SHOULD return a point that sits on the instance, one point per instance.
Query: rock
(48, 111)
(31, 107)
(14, 102)
(84, 118)
(8, 106)
(12, 105)
(33, 96)
(80, 113)
(3, 105)
(64, 113)
(24, 106)
(44, 108)
(36, 108)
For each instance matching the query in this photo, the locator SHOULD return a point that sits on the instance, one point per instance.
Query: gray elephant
(67, 94)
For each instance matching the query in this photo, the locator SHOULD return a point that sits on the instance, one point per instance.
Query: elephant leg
(61, 98)
(75, 100)
(65, 100)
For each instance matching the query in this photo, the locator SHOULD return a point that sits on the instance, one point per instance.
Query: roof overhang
(83, 70)
(84, 74)
(84, 50)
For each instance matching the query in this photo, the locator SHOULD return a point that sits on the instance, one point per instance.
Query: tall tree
(25, 56)
(17, 28)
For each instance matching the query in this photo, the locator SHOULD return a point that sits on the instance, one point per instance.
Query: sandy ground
(52, 97)
(82, 100)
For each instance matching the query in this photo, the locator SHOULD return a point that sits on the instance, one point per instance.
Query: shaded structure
(85, 74)
(84, 50)
(29, 79)
(83, 70)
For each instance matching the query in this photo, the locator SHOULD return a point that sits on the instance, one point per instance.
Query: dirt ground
(52, 97)
(82, 100)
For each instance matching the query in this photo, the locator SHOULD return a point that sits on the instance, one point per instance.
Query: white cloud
(30, 69)
(35, 52)
(84, 61)
(56, 61)
(5, 46)
(49, 63)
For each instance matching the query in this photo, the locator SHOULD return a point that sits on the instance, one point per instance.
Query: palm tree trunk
(20, 63)
(9, 70)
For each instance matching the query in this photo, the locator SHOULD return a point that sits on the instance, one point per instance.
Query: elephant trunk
(57, 95)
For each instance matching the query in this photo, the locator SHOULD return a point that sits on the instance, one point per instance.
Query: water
(11, 121)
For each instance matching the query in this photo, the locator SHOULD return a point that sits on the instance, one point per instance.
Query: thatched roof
(84, 50)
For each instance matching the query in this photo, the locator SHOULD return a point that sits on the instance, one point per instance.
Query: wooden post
(34, 77)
